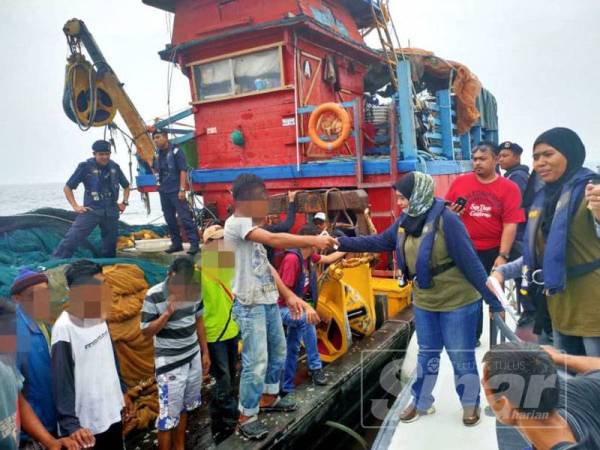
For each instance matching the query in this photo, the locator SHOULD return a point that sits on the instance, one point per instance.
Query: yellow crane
(93, 92)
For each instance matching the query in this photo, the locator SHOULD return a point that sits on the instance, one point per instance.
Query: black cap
(101, 146)
(512, 146)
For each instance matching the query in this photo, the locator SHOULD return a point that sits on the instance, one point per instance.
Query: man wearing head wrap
(562, 242)
(171, 167)
(101, 178)
(433, 249)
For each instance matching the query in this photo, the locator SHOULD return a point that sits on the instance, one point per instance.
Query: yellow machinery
(93, 92)
(352, 301)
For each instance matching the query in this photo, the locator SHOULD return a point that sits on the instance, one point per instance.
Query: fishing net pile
(29, 239)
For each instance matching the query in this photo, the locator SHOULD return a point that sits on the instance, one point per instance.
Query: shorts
(178, 391)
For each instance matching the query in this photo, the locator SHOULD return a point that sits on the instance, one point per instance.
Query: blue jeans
(107, 219)
(263, 353)
(456, 332)
(298, 331)
(577, 345)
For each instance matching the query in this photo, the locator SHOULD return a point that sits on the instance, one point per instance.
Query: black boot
(193, 249)
(174, 248)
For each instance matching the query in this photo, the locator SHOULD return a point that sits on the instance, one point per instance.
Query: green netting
(29, 240)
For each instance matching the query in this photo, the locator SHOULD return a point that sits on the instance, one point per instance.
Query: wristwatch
(125, 203)
(181, 190)
(504, 255)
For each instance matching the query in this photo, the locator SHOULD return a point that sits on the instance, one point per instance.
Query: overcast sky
(538, 57)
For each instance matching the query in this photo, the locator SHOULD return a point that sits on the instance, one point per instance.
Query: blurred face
(320, 224)
(257, 207)
(35, 301)
(273, 219)
(484, 163)
(549, 163)
(161, 140)
(102, 158)
(217, 257)
(184, 290)
(91, 300)
(507, 159)
(402, 201)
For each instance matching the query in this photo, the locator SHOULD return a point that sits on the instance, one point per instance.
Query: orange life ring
(341, 114)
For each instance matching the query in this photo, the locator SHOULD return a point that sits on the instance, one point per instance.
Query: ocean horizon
(21, 198)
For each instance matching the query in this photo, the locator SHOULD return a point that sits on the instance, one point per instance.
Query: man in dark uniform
(101, 178)
(171, 167)
(509, 159)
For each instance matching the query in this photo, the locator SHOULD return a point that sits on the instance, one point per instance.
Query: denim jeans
(298, 331)
(577, 345)
(456, 332)
(263, 354)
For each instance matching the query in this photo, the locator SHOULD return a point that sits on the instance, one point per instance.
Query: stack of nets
(29, 240)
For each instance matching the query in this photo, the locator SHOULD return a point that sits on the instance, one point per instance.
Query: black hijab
(412, 225)
(568, 143)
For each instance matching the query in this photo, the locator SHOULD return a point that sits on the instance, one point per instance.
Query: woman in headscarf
(562, 240)
(433, 249)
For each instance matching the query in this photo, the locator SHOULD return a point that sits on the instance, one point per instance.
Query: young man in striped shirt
(172, 314)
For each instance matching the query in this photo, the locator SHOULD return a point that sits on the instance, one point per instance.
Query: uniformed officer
(101, 178)
(171, 167)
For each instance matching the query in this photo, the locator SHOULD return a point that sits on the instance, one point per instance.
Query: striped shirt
(177, 343)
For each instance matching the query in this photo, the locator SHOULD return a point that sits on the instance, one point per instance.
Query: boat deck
(444, 428)
(351, 378)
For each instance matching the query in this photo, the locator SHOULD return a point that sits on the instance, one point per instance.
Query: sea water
(17, 199)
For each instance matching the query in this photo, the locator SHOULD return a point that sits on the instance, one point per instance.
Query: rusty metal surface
(317, 200)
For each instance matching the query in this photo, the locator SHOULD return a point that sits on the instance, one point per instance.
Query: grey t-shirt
(253, 283)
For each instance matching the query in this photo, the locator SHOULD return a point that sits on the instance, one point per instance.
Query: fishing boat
(290, 91)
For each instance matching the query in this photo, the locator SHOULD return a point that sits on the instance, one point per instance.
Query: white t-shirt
(98, 396)
(253, 283)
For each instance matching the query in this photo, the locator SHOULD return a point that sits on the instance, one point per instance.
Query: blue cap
(101, 146)
(512, 146)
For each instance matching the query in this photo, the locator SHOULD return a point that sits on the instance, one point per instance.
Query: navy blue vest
(554, 261)
(301, 281)
(168, 173)
(101, 185)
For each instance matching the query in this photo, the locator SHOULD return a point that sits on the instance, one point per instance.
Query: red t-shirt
(489, 207)
(289, 271)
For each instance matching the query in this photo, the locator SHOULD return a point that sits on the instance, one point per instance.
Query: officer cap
(101, 146)
(512, 146)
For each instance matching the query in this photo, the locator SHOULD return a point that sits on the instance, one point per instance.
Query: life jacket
(554, 264)
(425, 272)
(300, 282)
(97, 191)
(171, 175)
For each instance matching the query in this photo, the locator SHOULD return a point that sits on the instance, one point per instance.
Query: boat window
(243, 74)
